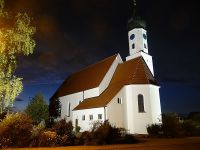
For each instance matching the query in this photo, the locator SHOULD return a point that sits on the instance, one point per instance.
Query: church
(123, 92)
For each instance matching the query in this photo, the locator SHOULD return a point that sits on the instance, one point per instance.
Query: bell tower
(137, 37)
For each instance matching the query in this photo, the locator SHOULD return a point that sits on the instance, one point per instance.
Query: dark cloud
(19, 99)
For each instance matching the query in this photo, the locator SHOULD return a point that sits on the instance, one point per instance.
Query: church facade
(123, 92)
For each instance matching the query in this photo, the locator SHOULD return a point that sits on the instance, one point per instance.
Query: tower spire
(136, 21)
(137, 36)
(134, 8)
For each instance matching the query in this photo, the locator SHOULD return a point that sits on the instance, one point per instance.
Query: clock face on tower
(145, 36)
(132, 36)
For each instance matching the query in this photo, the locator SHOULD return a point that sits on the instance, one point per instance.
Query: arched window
(141, 103)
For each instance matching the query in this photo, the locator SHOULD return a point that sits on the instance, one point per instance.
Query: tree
(37, 108)
(16, 38)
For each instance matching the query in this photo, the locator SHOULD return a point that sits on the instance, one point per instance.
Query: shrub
(36, 131)
(86, 138)
(171, 126)
(49, 122)
(47, 138)
(43, 138)
(15, 130)
(191, 128)
(106, 134)
(64, 131)
(154, 130)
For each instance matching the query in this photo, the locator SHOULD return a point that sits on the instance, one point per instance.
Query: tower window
(145, 36)
(145, 46)
(141, 103)
(133, 46)
(132, 36)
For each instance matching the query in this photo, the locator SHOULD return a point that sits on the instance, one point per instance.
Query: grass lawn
(192, 143)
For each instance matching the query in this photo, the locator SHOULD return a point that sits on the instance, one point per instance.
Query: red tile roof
(87, 78)
(134, 71)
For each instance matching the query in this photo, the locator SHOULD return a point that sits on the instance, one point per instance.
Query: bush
(44, 139)
(191, 128)
(47, 138)
(154, 130)
(106, 134)
(86, 138)
(64, 131)
(171, 126)
(15, 130)
(49, 122)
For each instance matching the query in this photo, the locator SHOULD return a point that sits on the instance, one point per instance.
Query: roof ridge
(85, 68)
(135, 72)
(148, 73)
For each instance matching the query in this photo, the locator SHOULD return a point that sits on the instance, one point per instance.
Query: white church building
(123, 92)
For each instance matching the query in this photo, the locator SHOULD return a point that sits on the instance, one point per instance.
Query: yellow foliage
(15, 38)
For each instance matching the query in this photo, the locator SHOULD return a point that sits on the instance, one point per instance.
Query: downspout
(83, 96)
(105, 113)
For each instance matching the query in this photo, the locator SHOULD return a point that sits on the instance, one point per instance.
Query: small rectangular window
(83, 117)
(119, 100)
(100, 116)
(91, 117)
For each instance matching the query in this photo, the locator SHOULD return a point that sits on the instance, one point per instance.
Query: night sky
(72, 34)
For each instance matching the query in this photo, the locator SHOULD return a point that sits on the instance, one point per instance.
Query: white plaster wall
(91, 93)
(87, 123)
(126, 115)
(116, 113)
(74, 100)
(147, 58)
(155, 104)
(139, 41)
(137, 122)
(106, 80)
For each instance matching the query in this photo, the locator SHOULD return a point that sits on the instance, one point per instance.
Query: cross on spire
(134, 8)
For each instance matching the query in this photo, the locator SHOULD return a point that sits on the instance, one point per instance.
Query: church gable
(134, 71)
